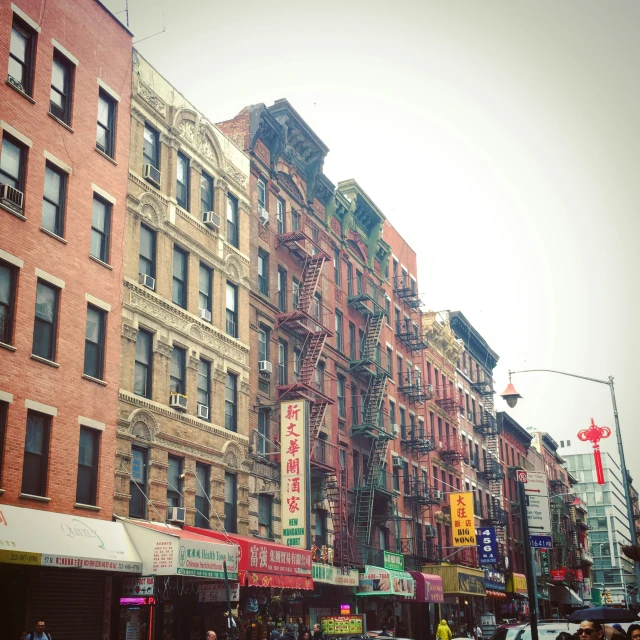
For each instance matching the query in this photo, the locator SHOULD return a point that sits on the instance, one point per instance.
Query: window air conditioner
(147, 281)
(152, 174)
(211, 220)
(430, 531)
(203, 411)
(11, 196)
(396, 461)
(175, 514)
(395, 430)
(205, 315)
(264, 366)
(178, 401)
(263, 214)
(469, 416)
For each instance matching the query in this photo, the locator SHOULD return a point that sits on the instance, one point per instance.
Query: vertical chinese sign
(294, 467)
(462, 519)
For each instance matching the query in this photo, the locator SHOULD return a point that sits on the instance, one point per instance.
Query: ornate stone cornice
(163, 349)
(129, 332)
(136, 114)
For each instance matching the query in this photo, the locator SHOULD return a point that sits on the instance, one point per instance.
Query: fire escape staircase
(405, 288)
(446, 397)
(337, 497)
(409, 334)
(411, 385)
(419, 442)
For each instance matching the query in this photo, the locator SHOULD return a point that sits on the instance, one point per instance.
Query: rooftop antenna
(153, 34)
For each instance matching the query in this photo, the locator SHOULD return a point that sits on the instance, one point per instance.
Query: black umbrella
(603, 614)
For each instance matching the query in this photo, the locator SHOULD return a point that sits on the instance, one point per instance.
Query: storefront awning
(459, 580)
(328, 574)
(50, 539)
(376, 581)
(565, 595)
(517, 583)
(428, 587)
(257, 579)
(168, 551)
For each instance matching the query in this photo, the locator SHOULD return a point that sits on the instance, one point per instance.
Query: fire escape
(306, 323)
(369, 422)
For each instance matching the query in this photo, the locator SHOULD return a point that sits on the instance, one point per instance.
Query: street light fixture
(511, 396)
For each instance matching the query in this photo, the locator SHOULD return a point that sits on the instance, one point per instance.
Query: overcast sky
(501, 138)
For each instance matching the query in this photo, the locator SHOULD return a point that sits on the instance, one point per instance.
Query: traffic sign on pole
(537, 501)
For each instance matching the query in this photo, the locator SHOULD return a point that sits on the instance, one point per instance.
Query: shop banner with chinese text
(462, 519)
(295, 456)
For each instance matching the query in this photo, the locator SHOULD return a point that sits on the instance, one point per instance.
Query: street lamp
(511, 396)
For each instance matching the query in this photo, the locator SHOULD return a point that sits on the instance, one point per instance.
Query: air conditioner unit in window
(211, 220)
(439, 445)
(147, 281)
(396, 461)
(429, 531)
(205, 315)
(152, 174)
(11, 196)
(469, 416)
(175, 514)
(395, 430)
(264, 366)
(203, 411)
(178, 401)
(263, 214)
(438, 495)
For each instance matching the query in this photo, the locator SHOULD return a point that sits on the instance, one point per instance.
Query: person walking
(40, 633)
(318, 633)
(478, 632)
(302, 629)
(443, 632)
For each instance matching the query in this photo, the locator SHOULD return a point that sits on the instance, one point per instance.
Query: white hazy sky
(500, 138)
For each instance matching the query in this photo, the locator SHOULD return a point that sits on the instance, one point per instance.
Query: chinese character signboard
(487, 546)
(462, 519)
(393, 561)
(294, 466)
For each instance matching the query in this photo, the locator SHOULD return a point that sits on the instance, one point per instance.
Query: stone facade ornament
(164, 349)
(129, 332)
(149, 96)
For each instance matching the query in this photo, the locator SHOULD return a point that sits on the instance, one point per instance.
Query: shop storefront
(381, 593)
(516, 606)
(464, 595)
(496, 585)
(564, 600)
(188, 593)
(424, 607)
(333, 595)
(61, 567)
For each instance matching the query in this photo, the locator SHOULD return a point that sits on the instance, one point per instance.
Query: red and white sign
(138, 586)
(558, 575)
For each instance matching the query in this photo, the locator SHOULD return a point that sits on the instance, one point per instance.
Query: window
(295, 293)
(337, 273)
(232, 221)
(177, 371)
(147, 257)
(399, 367)
(203, 395)
(263, 432)
(106, 127)
(4, 408)
(339, 335)
(36, 454)
(342, 393)
(265, 503)
(202, 496)
(354, 405)
(94, 342)
(321, 529)
(358, 282)
(174, 482)
(183, 182)
(390, 361)
(206, 193)
(352, 341)
(8, 276)
(142, 374)
(53, 201)
(282, 363)
(151, 147)
(61, 87)
(316, 307)
(232, 313)
(88, 455)
(262, 194)
(138, 483)
(349, 279)
(297, 363)
(295, 221)
(263, 272)
(280, 221)
(282, 289)
(180, 268)
(230, 502)
(398, 322)
(46, 321)
(263, 344)
(403, 423)
(12, 164)
(100, 224)
(23, 40)
(205, 285)
(319, 376)
(230, 403)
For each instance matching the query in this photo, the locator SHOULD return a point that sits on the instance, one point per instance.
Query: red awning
(262, 557)
(256, 579)
(428, 587)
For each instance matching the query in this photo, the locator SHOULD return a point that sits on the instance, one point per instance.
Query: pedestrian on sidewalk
(443, 632)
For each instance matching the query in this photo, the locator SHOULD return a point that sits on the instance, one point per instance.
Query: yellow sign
(517, 583)
(294, 461)
(463, 526)
(20, 557)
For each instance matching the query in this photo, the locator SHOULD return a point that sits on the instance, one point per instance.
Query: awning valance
(457, 579)
(565, 595)
(517, 583)
(166, 550)
(428, 587)
(51, 539)
(328, 574)
(257, 579)
(376, 581)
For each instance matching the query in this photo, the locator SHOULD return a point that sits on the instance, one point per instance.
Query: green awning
(376, 581)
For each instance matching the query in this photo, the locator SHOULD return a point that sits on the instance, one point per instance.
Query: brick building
(184, 377)
(63, 165)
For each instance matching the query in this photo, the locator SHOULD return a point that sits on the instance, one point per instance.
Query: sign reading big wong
(295, 472)
(462, 519)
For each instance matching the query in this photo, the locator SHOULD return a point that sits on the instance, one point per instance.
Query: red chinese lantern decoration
(594, 434)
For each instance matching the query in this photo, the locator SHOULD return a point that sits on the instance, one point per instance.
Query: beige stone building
(184, 381)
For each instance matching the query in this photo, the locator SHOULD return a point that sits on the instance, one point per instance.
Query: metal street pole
(623, 465)
(528, 563)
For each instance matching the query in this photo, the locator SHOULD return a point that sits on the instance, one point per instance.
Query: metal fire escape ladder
(337, 497)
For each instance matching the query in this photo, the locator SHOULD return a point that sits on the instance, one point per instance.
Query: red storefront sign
(579, 575)
(558, 575)
(260, 561)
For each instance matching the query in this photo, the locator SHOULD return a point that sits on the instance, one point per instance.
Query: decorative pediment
(357, 245)
(143, 425)
(290, 184)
